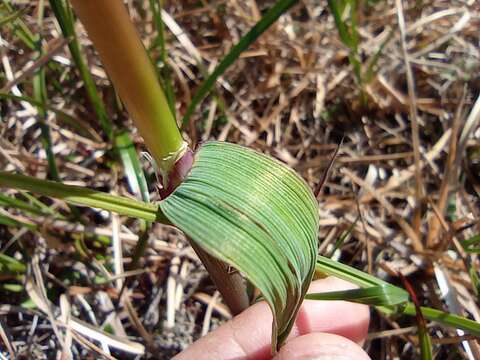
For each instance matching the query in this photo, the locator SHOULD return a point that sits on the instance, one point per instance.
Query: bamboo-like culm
(132, 73)
(130, 69)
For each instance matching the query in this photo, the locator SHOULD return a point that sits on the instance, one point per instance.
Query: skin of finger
(248, 335)
(321, 346)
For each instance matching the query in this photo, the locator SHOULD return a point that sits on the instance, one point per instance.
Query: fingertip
(343, 318)
(321, 346)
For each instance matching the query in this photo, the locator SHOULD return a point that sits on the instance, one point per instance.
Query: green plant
(345, 15)
(232, 202)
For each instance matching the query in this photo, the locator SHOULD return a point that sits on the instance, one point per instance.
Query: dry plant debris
(407, 170)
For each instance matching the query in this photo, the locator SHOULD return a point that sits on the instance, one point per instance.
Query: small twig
(326, 173)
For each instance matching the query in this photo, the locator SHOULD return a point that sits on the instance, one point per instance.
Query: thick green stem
(133, 75)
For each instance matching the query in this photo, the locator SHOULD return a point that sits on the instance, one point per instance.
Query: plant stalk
(133, 75)
(229, 282)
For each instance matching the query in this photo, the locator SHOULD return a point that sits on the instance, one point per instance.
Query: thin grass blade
(471, 245)
(277, 10)
(133, 168)
(65, 18)
(11, 264)
(164, 69)
(9, 221)
(9, 18)
(383, 295)
(81, 127)
(364, 280)
(82, 196)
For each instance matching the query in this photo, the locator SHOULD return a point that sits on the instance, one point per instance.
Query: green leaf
(444, 318)
(8, 201)
(471, 245)
(382, 295)
(258, 216)
(83, 196)
(9, 221)
(277, 10)
(65, 18)
(364, 280)
(81, 127)
(133, 168)
(164, 71)
(7, 19)
(12, 264)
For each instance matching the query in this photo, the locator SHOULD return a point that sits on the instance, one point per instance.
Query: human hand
(323, 330)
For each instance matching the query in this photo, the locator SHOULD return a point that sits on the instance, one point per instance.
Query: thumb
(321, 346)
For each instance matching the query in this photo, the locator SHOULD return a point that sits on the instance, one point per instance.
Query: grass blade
(256, 215)
(81, 127)
(82, 196)
(277, 10)
(471, 245)
(40, 94)
(19, 28)
(9, 18)
(382, 295)
(65, 18)
(164, 71)
(7, 201)
(444, 318)
(364, 280)
(133, 169)
(11, 264)
(8, 221)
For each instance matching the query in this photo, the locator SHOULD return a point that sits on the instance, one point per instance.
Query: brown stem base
(230, 283)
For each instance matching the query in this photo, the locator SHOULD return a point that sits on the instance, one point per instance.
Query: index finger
(248, 335)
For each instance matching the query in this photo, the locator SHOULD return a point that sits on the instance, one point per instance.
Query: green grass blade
(40, 94)
(444, 318)
(383, 295)
(344, 236)
(364, 280)
(164, 71)
(425, 343)
(11, 264)
(7, 201)
(82, 196)
(348, 273)
(372, 62)
(19, 28)
(133, 168)
(337, 8)
(81, 127)
(258, 216)
(9, 18)
(278, 9)
(9, 221)
(471, 245)
(65, 18)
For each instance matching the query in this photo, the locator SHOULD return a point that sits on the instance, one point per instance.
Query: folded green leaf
(382, 295)
(255, 214)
